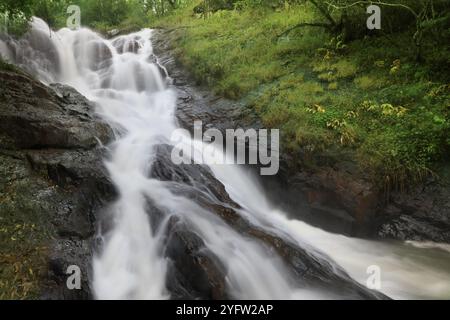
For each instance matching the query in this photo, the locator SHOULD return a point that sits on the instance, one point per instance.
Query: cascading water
(121, 76)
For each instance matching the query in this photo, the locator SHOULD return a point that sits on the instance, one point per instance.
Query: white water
(134, 98)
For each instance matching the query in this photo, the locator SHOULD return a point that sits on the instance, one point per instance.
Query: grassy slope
(368, 100)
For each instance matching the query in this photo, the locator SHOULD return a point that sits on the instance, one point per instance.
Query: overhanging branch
(366, 2)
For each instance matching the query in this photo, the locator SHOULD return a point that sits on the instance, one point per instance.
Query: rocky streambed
(52, 172)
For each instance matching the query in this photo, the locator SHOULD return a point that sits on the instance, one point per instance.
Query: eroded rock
(197, 182)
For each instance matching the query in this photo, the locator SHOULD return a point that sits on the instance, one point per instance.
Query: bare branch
(368, 2)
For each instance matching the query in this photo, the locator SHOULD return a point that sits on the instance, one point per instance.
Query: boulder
(194, 272)
(35, 116)
(123, 45)
(197, 182)
(53, 178)
(421, 214)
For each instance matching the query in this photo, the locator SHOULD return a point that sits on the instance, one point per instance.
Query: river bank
(53, 186)
(187, 231)
(326, 180)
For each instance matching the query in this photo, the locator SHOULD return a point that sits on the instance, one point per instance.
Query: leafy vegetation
(102, 15)
(311, 68)
(5, 66)
(379, 99)
(362, 95)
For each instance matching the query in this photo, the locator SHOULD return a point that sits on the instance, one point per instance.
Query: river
(122, 76)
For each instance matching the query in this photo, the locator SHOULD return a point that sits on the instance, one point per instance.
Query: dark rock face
(415, 228)
(54, 175)
(197, 273)
(34, 117)
(341, 199)
(123, 46)
(194, 272)
(336, 200)
(334, 196)
(422, 214)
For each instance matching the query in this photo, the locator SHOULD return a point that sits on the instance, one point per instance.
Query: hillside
(362, 98)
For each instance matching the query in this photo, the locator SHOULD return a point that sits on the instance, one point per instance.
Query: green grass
(5, 66)
(369, 98)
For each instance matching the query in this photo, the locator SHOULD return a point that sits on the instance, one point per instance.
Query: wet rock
(309, 268)
(415, 228)
(335, 199)
(124, 44)
(68, 253)
(154, 59)
(422, 213)
(54, 178)
(99, 53)
(35, 45)
(194, 272)
(321, 198)
(199, 178)
(34, 116)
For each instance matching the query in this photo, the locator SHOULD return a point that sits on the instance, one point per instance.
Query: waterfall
(130, 91)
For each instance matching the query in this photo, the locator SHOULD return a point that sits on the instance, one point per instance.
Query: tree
(16, 7)
(15, 14)
(335, 14)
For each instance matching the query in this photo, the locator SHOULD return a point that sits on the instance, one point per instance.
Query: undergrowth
(368, 97)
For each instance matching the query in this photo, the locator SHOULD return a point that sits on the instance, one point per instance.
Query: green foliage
(101, 14)
(14, 16)
(309, 67)
(369, 82)
(51, 11)
(5, 66)
(368, 99)
(17, 7)
(109, 12)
